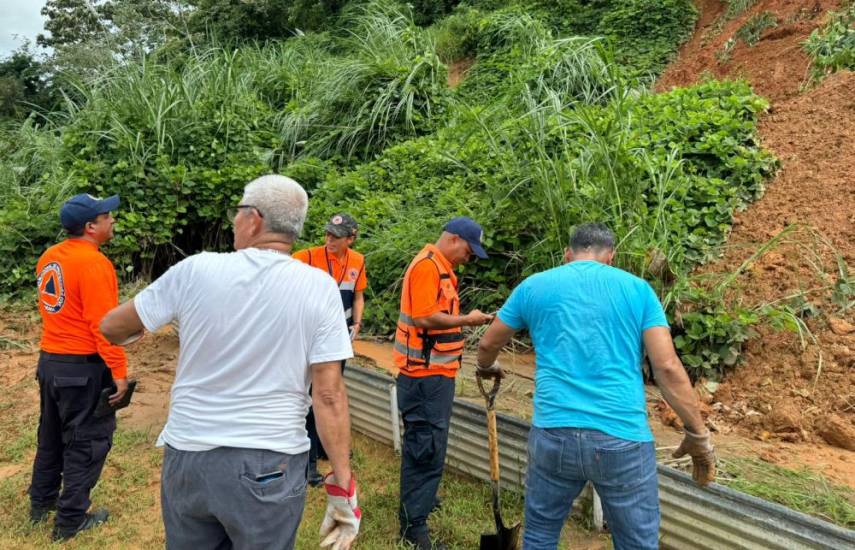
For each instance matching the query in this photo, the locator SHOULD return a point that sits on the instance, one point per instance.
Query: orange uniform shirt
(427, 295)
(77, 286)
(351, 270)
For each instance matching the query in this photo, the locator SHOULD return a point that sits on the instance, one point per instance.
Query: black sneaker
(39, 512)
(422, 541)
(92, 520)
(315, 478)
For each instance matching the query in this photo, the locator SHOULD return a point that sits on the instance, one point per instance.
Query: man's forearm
(333, 423)
(358, 306)
(441, 321)
(496, 337)
(121, 323)
(677, 391)
(487, 353)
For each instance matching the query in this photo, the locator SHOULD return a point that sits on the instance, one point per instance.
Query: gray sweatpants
(211, 499)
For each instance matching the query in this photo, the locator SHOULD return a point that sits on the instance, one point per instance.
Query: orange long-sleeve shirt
(77, 286)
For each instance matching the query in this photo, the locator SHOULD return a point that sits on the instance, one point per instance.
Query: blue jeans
(562, 460)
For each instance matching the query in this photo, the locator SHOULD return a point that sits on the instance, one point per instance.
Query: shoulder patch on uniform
(51, 287)
(354, 273)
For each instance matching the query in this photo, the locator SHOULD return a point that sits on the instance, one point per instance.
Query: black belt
(69, 358)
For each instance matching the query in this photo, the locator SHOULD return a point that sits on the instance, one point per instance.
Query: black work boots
(39, 513)
(422, 541)
(94, 519)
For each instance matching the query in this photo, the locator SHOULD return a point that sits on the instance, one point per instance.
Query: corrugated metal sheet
(711, 518)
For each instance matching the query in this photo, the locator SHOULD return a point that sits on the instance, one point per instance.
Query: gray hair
(595, 236)
(281, 201)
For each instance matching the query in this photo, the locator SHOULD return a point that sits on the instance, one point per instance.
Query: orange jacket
(430, 286)
(77, 286)
(349, 275)
(354, 263)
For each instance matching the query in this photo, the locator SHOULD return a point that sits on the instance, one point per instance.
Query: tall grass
(388, 86)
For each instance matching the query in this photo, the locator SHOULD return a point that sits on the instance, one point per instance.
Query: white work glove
(341, 522)
(492, 372)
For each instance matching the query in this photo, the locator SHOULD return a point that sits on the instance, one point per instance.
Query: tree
(239, 20)
(24, 84)
(74, 21)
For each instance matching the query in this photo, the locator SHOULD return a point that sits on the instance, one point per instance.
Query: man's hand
(121, 389)
(341, 522)
(701, 450)
(477, 318)
(492, 372)
(354, 330)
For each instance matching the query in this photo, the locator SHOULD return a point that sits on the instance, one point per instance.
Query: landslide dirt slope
(785, 390)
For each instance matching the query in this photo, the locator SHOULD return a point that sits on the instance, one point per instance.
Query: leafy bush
(457, 35)
(832, 47)
(647, 32)
(709, 337)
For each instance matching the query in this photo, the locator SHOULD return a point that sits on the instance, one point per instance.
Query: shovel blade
(507, 538)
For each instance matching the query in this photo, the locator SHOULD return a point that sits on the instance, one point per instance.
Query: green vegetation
(735, 8)
(832, 47)
(801, 490)
(554, 125)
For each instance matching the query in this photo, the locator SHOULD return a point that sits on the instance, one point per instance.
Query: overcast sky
(19, 19)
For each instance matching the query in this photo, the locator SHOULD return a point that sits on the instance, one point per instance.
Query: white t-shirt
(251, 324)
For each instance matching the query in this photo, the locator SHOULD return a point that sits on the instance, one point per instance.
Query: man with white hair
(256, 328)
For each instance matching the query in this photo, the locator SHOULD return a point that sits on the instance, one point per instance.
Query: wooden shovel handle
(493, 442)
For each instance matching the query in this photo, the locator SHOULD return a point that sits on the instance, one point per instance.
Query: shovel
(505, 538)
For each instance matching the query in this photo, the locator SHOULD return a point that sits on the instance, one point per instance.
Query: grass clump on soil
(832, 46)
(751, 31)
(801, 490)
(735, 8)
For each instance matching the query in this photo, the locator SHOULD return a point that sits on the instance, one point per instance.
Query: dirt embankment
(789, 388)
(777, 65)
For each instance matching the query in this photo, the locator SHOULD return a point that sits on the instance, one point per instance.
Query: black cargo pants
(425, 406)
(72, 444)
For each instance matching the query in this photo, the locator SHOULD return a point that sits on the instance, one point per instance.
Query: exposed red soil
(457, 71)
(787, 390)
(777, 66)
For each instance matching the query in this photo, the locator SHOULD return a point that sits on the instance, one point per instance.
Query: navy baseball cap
(468, 230)
(83, 208)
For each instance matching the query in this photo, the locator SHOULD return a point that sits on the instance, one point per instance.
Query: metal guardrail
(711, 518)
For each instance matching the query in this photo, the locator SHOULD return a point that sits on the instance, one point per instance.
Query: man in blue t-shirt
(590, 323)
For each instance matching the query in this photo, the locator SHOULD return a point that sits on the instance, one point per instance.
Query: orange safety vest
(426, 352)
(350, 278)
